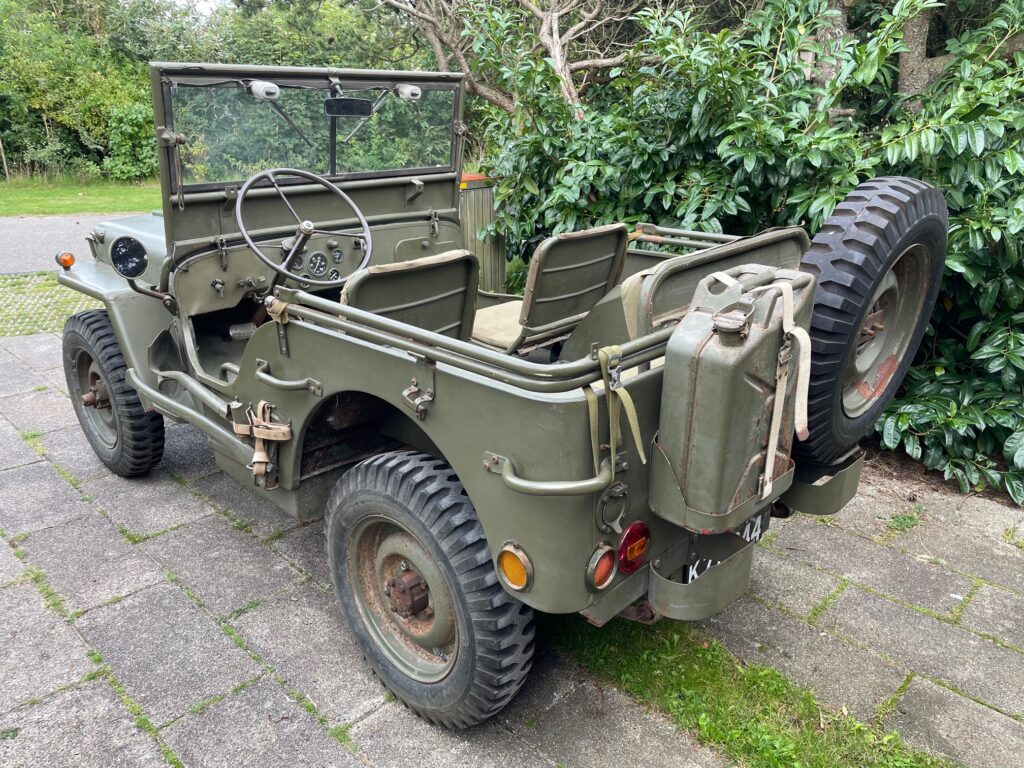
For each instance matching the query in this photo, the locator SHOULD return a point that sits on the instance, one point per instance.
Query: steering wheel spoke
(283, 196)
(288, 267)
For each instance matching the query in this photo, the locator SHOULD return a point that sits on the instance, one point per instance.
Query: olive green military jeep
(611, 443)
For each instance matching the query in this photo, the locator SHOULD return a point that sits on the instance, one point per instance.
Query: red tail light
(633, 547)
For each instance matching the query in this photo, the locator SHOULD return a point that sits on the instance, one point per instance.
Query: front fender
(137, 319)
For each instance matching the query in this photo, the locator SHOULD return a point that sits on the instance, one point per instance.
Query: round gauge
(128, 257)
(317, 264)
(295, 264)
(337, 255)
(335, 275)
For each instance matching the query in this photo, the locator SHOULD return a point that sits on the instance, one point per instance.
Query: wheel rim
(92, 394)
(886, 332)
(403, 599)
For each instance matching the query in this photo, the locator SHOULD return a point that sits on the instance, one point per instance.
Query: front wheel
(125, 437)
(415, 581)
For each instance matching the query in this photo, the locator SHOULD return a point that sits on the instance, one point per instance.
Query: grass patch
(37, 197)
(53, 600)
(906, 520)
(143, 723)
(753, 713)
(341, 734)
(36, 303)
(273, 536)
(9, 733)
(34, 440)
(249, 606)
(827, 602)
(137, 538)
(241, 525)
(957, 613)
(1010, 537)
(69, 478)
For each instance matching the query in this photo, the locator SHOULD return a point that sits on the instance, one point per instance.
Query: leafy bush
(762, 125)
(131, 145)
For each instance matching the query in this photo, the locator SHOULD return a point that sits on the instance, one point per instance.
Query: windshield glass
(231, 134)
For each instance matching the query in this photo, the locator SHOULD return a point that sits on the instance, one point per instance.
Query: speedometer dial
(317, 264)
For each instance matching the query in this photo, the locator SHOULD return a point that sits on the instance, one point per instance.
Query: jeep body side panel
(546, 435)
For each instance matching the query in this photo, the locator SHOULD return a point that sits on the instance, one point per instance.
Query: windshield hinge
(435, 225)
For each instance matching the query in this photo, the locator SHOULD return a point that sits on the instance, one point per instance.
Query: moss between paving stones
(753, 713)
(37, 303)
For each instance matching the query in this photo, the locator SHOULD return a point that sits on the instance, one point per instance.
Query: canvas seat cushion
(499, 325)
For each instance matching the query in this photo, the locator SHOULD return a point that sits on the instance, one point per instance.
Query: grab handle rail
(310, 385)
(504, 466)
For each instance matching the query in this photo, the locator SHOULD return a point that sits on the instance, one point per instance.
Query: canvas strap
(278, 311)
(793, 335)
(619, 401)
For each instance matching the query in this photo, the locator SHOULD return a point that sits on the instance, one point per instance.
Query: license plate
(751, 531)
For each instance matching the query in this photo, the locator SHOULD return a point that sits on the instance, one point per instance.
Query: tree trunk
(918, 70)
(3, 159)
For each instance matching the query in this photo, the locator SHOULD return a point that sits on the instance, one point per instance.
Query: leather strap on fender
(261, 429)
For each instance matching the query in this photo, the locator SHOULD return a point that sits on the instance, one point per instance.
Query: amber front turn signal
(65, 260)
(515, 567)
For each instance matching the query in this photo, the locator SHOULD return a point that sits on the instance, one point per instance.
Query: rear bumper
(693, 581)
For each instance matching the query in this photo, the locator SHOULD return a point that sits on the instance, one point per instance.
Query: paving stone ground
(178, 615)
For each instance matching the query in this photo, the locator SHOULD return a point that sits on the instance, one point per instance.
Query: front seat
(436, 293)
(568, 274)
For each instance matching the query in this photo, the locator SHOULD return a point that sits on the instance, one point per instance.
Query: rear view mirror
(344, 106)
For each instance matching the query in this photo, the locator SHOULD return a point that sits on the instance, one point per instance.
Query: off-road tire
(859, 245)
(496, 632)
(137, 436)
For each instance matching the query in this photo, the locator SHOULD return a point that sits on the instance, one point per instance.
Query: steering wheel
(304, 230)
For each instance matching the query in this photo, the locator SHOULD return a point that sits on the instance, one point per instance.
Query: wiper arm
(284, 115)
(364, 120)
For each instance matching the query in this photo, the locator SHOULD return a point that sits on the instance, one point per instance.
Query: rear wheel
(414, 578)
(125, 437)
(878, 261)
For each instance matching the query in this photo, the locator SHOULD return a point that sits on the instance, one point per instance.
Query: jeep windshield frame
(193, 102)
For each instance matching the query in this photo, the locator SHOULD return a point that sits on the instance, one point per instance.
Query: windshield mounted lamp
(408, 92)
(264, 91)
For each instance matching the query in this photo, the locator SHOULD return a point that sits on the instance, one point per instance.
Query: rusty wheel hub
(408, 594)
(97, 396)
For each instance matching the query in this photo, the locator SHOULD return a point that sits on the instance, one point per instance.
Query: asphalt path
(29, 243)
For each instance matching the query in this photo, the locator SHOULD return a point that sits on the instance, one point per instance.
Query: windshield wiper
(364, 120)
(284, 115)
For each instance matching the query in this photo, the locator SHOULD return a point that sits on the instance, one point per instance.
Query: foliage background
(715, 115)
(757, 124)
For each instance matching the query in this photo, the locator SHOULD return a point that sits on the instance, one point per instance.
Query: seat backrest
(662, 293)
(436, 293)
(569, 273)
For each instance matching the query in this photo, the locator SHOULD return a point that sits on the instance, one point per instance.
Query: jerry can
(734, 354)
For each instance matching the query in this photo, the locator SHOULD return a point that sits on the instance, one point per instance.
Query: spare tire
(878, 261)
